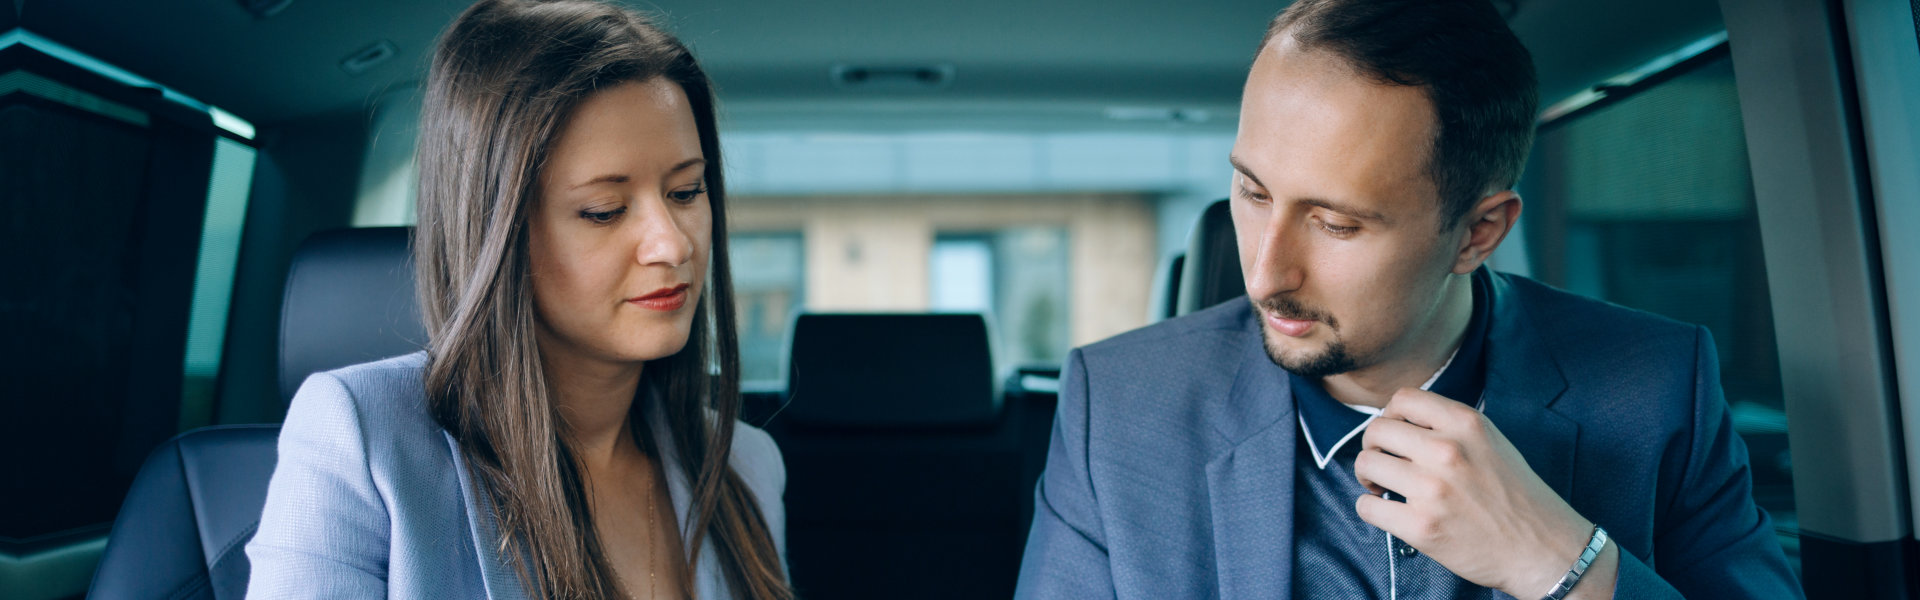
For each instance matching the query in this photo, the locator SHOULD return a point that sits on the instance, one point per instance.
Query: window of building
(769, 286)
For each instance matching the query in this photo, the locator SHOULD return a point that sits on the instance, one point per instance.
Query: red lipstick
(663, 299)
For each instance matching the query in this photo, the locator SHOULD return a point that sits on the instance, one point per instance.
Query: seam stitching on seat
(186, 589)
(238, 540)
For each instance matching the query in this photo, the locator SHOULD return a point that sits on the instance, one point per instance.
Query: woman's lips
(664, 299)
(1289, 327)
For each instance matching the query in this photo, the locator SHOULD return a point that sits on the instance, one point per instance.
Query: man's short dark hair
(1474, 70)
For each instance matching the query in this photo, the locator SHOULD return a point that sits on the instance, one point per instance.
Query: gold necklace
(653, 582)
(653, 590)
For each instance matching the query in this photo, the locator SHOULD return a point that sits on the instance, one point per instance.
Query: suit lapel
(497, 577)
(1250, 486)
(1523, 381)
(704, 577)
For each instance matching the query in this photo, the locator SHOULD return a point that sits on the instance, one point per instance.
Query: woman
(570, 432)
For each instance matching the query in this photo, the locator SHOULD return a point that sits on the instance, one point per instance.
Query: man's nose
(1278, 259)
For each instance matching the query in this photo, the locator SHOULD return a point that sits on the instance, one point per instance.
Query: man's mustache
(1288, 308)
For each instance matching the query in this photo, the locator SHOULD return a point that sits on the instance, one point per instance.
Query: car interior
(931, 204)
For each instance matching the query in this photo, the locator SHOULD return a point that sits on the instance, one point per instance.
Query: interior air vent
(1156, 114)
(910, 77)
(368, 57)
(261, 9)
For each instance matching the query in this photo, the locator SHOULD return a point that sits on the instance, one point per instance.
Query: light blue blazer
(371, 498)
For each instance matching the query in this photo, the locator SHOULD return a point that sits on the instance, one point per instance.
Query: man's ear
(1486, 225)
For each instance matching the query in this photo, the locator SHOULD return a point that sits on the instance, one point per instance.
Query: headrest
(349, 300)
(1166, 288)
(891, 370)
(1211, 274)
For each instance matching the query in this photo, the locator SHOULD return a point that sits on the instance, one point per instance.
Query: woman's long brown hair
(504, 78)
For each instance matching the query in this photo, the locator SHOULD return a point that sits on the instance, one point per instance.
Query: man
(1384, 417)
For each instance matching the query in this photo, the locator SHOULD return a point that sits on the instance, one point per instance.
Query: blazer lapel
(1250, 486)
(499, 579)
(1523, 381)
(705, 576)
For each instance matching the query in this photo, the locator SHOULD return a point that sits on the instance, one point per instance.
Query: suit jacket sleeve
(1066, 554)
(323, 532)
(1712, 541)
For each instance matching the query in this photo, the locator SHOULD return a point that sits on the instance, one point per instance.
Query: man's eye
(602, 217)
(1338, 230)
(1249, 194)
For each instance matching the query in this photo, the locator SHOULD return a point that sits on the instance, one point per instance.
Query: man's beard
(1333, 360)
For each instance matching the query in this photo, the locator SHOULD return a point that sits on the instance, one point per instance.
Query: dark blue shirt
(1337, 555)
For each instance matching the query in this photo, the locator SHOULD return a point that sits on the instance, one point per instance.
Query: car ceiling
(1015, 62)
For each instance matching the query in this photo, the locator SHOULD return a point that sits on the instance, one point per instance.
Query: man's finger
(1379, 471)
(1424, 408)
(1397, 437)
(1395, 518)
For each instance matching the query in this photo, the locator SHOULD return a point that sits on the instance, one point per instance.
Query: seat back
(1212, 273)
(1166, 288)
(891, 371)
(349, 300)
(183, 529)
(908, 476)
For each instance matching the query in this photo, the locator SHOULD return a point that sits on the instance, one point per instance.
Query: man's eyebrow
(623, 178)
(1357, 213)
(1244, 171)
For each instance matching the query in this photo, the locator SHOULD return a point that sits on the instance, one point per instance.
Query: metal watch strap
(1594, 545)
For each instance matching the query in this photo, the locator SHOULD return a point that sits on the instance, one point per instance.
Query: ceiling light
(896, 77)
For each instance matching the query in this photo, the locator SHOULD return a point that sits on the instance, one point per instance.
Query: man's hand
(1472, 504)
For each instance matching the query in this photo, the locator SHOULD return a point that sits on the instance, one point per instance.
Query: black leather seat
(182, 531)
(1211, 273)
(908, 476)
(350, 300)
(1166, 289)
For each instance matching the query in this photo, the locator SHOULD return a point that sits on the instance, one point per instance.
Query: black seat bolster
(1211, 273)
(183, 528)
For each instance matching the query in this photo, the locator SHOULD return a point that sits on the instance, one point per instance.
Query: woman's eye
(602, 217)
(687, 196)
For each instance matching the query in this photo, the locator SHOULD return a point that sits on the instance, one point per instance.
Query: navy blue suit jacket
(1171, 468)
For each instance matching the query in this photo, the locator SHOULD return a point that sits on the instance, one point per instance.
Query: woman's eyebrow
(623, 178)
(608, 178)
(687, 163)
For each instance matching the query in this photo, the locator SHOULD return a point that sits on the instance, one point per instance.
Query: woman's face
(620, 232)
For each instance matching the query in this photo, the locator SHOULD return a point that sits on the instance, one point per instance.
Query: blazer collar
(706, 575)
(1524, 379)
(1250, 485)
(502, 581)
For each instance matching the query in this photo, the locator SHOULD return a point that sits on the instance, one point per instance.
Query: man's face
(1337, 218)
